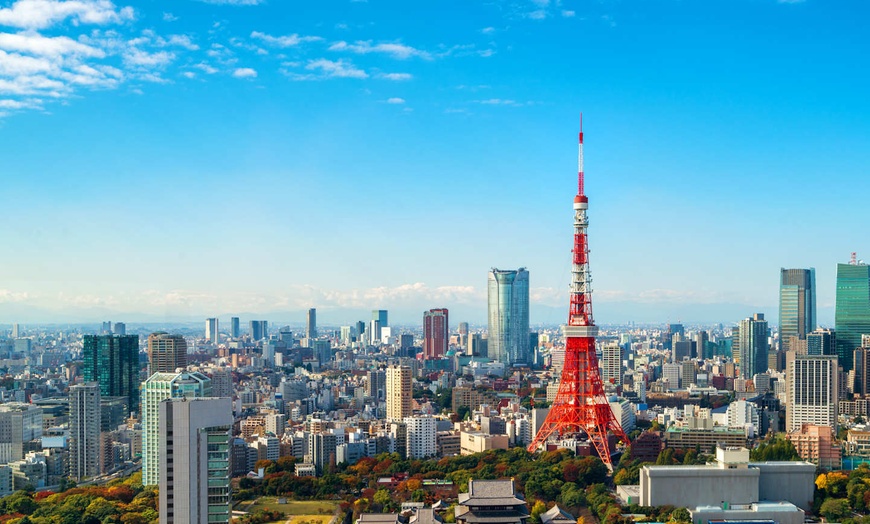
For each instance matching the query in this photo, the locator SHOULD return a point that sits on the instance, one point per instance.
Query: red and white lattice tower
(581, 405)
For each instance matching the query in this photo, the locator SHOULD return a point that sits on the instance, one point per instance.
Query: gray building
(195, 460)
(753, 345)
(797, 305)
(84, 425)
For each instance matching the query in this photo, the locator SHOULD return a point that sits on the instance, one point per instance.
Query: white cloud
(180, 41)
(207, 69)
(394, 49)
(488, 30)
(137, 57)
(568, 14)
(36, 44)
(499, 102)
(188, 74)
(169, 17)
(395, 100)
(397, 77)
(323, 68)
(284, 41)
(245, 72)
(538, 14)
(40, 14)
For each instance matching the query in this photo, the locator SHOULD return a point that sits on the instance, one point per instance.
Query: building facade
(754, 346)
(811, 391)
(84, 425)
(852, 309)
(420, 437)
(508, 315)
(399, 393)
(112, 361)
(311, 325)
(436, 333)
(194, 467)
(211, 330)
(797, 304)
(166, 353)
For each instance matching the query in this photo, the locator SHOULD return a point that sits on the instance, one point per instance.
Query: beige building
(812, 391)
(166, 353)
(476, 442)
(399, 394)
(858, 442)
(816, 444)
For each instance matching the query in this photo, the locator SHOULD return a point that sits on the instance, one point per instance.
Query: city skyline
(675, 135)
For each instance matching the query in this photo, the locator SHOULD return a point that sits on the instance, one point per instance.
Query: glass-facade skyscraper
(508, 301)
(797, 305)
(112, 361)
(852, 313)
(753, 346)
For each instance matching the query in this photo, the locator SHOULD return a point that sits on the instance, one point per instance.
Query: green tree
(681, 515)
(835, 510)
(666, 457)
(537, 509)
(382, 497)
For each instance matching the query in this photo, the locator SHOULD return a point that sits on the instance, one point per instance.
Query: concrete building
(311, 325)
(322, 450)
(812, 391)
(20, 424)
(436, 333)
(159, 387)
(211, 330)
(399, 393)
(376, 384)
(759, 512)
(477, 442)
(84, 427)
(817, 444)
(194, 467)
(166, 353)
(731, 480)
(421, 437)
(611, 364)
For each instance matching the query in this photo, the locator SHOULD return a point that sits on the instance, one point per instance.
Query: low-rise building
(491, 502)
(816, 444)
(476, 442)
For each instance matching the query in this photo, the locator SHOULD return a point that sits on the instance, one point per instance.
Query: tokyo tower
(580, 405)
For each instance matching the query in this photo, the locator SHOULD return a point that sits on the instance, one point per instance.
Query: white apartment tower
(811, 391)
(84, 425)
(611, 364)
(399, 394)
(420, 437)
(194, 469)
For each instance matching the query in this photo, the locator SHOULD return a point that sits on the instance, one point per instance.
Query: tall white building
(211, 330)
(159, 387)
(611, 363)
(399, 393)
(743, 413)
(84, 426)
(811, 391)
(194, 467)
(420, 437)
(672, 372)
(19, 423)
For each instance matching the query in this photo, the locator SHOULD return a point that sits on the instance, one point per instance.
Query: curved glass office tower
(508, 298)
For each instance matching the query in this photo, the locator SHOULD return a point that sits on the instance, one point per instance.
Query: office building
(194, 469)
(234, 327)
(20, 425)
(861, 371)
(611, 364)
(376, 384)
(812, 390)
(797, 304)
(112, 361)
(672, 372)
(322, 450)
(211, 330)
(852, 310)
(754, 345)
(311, 328)
(821, 342)
(16, 331)
(221, 382)
(259, 329)
(399, 393)
(420, 437)
(681, 350)
(436, 333)
(703, 349)
(166, 353)
(84, 427)
(508, 314)
(159, 387)
(379, 322)
(120, 328)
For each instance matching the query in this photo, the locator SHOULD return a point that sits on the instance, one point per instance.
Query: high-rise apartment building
(20, 425)
(852, 311)
(159, 387)
(376, 384)
(211, 330)
(754, 346)
(811, 390)
(84, 427)
(611, 363)
(508, 308)
(259, 329)
(234, 327)
(322, 450)
(194, 468)
(166, 353)
(112, 361)
(311, 328)
(420, 432)
(673, 373)
(399, 393)
(436, 333)
(797, 304)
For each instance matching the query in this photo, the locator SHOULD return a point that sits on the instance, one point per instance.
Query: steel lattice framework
(580, 405)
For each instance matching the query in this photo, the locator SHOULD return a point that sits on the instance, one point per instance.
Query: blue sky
(190, 158)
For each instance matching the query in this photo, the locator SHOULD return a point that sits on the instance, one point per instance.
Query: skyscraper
(611, 364)
(311, 331)
(379, 316)
(399, 393)
(211, 330)
(113, 362)
(797, 304)
(754, 346)
(376, 383)
(120, 328)
(436, 333)
(84, 426)
(159, 387)
(194, 469)
(259, 329)
(234, 327)
(821, 342)
(811, 390)
(852, 313)
(702, 340)
(166, 353)
(508, 305)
